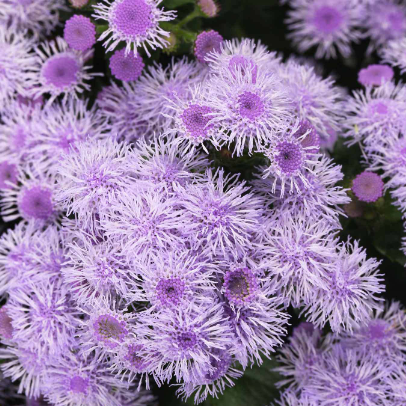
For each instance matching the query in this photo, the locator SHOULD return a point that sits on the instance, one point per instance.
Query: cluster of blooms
(363, 367)
(331, 26)
(133, 257)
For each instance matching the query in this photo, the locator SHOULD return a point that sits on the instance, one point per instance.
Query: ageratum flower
(244, 54)
(38, 17)
(16, 62)
(66, 125)
(33, 199)
(352, 293)
(135, 22)
(206, 42)
(249, 114)
(314, 99)
(43, 310)
(8, 174)
(158, 84)
(90, 176)
(328, 25)
(80, 33)
(72, 380)
(394, 53)
(298, 254)
(223, 215)
(60, 71)
(373, 112)
(368, 186)
(126, 67)
(375, 75)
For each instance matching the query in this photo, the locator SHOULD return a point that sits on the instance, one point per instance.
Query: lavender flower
(209, 7)
(367, 186)
(393, 52)
(375, 75)
(80, 33)
(206, 42)
(329, 25)
(136, 22)
(8, 175)
(126, 67)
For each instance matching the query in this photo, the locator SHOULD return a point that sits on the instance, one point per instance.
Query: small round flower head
(347, 378)
(78, 3)
(60, 71)
(209, 7)
(16, 61)
(329, 25)
(207, 41)
(298, 254)
(158, 84)
(184, 337)
(6, 328)
(291, 156)
(135, 22)
(26, 366)
(38, 17)
(298, 357)
(118, 104)
(249, 114)
(144, 221)
(375, 75)
(384, 20)
(224, 215)
(394, 53)
(33, 199)
(314, 99)
(368, 186)
(258, 328)
(215, 382)
(106, 327)
(240, 286)
(192, 123)
(74, 381)
(66, 125)
(16, 132)
(245, 55)
(42, 310)
(80, 33)
(175, 279)
(8, 175)
(374, 113)
(384, 336)
(159, 164)
(352, 292)
(91, 175)
(321, 198)
(126, 67)
(95, 269)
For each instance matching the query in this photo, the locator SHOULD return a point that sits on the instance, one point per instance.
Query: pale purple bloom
(158, 84)
(206, 42)
(394, 53)
(328, 25)
(223, 215)
(209, 7)
(126, 67)
(80, 33)
(8, 174)
(368, 186)
(60, 71)
(352, 291)
(375, 75)
(135, 22)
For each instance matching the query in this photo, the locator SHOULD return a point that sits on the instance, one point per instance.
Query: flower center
(290, 157)
(133, 17)
(36, 203)
(78, 384)
(251, 105)
(61, 71)
(327, 19)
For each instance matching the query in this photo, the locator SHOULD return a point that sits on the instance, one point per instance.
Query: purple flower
(80, 33)
(329, 25)
(223, 215)
(209, 7)
(60, 71)
(375, 75)
(126, 67)
(8, 175)
(136, 22)
(240, 286)
(206, 42)
(352, 291)
(393, 52)
(368, 187)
